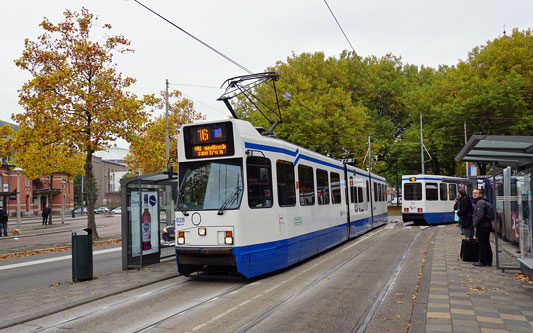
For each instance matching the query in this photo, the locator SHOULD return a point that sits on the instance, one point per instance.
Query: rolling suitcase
(470, 250)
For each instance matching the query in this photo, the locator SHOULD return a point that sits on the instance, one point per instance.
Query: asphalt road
(38, 271)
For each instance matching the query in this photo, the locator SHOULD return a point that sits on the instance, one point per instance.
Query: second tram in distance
(254, 204)
(429, 199)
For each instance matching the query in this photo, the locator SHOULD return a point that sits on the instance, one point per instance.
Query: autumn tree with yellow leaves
(76, 98)
(147, 151)
(38, 155)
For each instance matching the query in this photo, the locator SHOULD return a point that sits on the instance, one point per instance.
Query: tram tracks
(109, 307)
(371, 310)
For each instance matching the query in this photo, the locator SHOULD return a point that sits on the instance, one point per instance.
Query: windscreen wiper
(182, 210)
(230, 199)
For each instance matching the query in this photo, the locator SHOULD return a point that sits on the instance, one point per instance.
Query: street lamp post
(18, 171)
(63, 182)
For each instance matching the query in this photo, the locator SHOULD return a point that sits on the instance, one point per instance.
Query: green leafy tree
(320, 114)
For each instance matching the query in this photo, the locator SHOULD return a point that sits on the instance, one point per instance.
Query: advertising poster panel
(149, 223)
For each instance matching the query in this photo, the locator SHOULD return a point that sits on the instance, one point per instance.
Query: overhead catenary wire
(197, 39)
(348, 40)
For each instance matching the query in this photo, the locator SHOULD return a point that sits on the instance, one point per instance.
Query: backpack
(489, 210)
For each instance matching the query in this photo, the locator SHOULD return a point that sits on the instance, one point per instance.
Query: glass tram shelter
(147, 207)
(510, 190)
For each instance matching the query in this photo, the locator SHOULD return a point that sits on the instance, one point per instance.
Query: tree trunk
(89, 176)
(50, 195)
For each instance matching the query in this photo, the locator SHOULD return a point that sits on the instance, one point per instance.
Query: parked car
(101, 210)
(395, 201)
(78, 211)
(169, 236)
(117, 210)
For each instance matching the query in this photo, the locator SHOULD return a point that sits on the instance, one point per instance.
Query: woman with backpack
(482, 221)
(465, 214)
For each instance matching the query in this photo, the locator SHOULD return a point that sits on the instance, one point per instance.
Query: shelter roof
(502, 151)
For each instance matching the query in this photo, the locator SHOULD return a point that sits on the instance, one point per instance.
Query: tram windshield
(209, 185)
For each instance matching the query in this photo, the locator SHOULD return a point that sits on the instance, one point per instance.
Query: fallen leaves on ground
(479, 288)
(523, 278)
(57, 249)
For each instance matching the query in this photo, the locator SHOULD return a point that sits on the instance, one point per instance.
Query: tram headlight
(229, 238)
(181, 238)
(202, 231)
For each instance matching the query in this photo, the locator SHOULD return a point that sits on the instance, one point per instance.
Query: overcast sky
(256, 34)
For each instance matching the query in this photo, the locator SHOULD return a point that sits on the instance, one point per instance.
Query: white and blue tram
(429, 199)
(255, 204)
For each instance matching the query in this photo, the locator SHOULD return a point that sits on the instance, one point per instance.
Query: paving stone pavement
(466, 298)
(35, 303)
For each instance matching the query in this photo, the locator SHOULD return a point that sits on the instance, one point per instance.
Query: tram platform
(454, 296)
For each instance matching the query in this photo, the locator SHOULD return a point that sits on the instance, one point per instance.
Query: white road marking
(422, 227)
(43, 261)
(390, 226)
(408, 227)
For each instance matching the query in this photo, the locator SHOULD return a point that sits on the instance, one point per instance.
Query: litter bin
(73, 214)
(82, 255)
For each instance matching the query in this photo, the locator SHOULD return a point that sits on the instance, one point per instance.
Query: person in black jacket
(46, 212)
(465, 214)
(482, 228)
(3, 222)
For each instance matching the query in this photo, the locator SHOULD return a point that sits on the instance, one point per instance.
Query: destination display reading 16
(210, 140)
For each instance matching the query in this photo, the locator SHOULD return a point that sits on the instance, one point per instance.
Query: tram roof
(501, 151)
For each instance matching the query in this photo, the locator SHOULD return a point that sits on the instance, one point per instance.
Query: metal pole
(421, 145)
(169, 211)
(140, 225)
(63, 201)
(371, 193)
(466, 163)
(497, 220)
(18, 200)
(167, 148)
(82, 201)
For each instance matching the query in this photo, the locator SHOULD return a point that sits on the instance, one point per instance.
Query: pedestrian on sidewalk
(482, 228)
(3, 222)
(465, 214)
(46, 212)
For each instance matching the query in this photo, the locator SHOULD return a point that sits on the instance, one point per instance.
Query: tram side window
(412, 191)
(307, 185)
(443, 191)
(360, 194)
(432, 191)
(335, 188)
(375, 192)
(367, 192)
(453, 191)
(259, 182)
(286, 183)
(322, 187)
